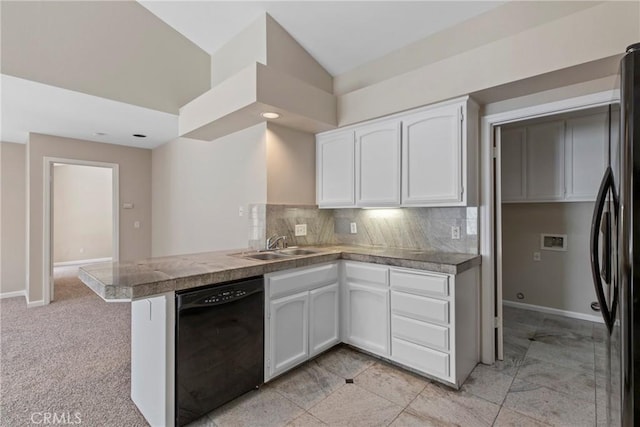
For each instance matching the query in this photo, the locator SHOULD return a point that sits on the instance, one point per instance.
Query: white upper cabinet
(512, 151)
(586, 151)
(335, 170)
(431, 161)
(545, 161)
(378, 164)
(426, 157)
(562, 160)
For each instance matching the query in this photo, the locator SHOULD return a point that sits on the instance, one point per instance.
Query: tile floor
(549, 377)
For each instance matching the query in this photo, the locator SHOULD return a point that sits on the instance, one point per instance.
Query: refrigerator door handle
(608, 313)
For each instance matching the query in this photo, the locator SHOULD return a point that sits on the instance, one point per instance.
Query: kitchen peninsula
(417, 309)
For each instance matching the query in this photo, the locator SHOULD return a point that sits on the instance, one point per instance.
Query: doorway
(81, 218)
(491, 250)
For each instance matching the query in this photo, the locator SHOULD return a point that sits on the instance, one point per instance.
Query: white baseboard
(31, 304)
(82, 262)
(556, 311)
(13, 294)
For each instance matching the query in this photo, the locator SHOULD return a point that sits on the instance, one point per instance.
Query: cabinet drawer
(420, 283)
(421, 358)
(419, 307)
(304, 279)
(427, 334)
(366, 273)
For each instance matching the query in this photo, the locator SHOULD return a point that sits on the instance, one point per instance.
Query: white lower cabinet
(301, 316)
(289, 329)
(427, 322)
(434, 322)
(324, 318)
(367, 318)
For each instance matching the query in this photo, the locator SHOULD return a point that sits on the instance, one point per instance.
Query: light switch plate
(301, 229)
(455, 232)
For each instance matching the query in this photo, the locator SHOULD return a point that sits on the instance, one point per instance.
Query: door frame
(488, 197)
(47, 238)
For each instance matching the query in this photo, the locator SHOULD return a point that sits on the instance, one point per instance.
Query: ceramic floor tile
(571, 340)
(561, 355)
(205, 421)
(307, 385)
(351, 405)
(518, 315)
(306, 420)
(392, 383)
(488, 384)
(550, 406)
(345, 362)
(456, 407)
(264, 407)
(407, 419)
(578, 383)
(565, 324)
(509, 418)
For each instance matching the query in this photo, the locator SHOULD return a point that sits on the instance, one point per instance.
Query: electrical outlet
(354, 228)
(536, 256)
(301, 229)
(136, 224)
(240, 210)
(455, 232)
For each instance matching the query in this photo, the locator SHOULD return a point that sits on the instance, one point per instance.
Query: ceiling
(340, 35)
(73, 69)
(28, 106)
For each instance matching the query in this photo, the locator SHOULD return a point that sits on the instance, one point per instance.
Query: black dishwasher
(219, 345)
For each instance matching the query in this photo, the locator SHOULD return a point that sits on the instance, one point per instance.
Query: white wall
(13, 218)
(82, 213)
(559, 280)
(199, 186)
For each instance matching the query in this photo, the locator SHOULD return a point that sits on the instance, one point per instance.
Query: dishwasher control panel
(225, 296)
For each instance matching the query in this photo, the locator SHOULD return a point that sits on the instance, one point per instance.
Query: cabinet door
(586, 146)
(335, 168)
(324, 321)
(432, 157)
(368, 317)
(289, 332)
(512, 162)
(545, 161)
(378, 164)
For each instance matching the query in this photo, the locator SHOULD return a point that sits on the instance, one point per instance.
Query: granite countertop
(132, 280)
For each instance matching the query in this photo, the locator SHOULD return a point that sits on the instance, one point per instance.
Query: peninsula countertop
(126, 281)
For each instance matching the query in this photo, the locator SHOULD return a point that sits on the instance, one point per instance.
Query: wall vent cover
(553, 242)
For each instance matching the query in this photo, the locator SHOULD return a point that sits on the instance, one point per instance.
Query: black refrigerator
(615, 260)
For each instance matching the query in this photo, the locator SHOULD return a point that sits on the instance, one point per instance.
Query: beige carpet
(72, 356)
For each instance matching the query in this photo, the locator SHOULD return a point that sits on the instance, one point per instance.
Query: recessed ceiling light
(99, 133)
(270, 115)
(139, 135)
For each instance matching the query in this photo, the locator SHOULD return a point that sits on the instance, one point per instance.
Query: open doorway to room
(550, 335)
(82, 215)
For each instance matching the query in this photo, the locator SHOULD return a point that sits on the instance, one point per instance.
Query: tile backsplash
(410, 228)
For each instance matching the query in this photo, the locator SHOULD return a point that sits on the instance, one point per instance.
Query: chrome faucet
(272, 242)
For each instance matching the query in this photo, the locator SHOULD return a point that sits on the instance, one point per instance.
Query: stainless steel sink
(296, 251)
(266, 256)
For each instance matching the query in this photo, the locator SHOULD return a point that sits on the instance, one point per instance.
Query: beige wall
(112, 49)
(12, 218)
(587, 35)
(291, 166)
(559, 280)
(134, 186)
(82, 213)
(199, 186)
